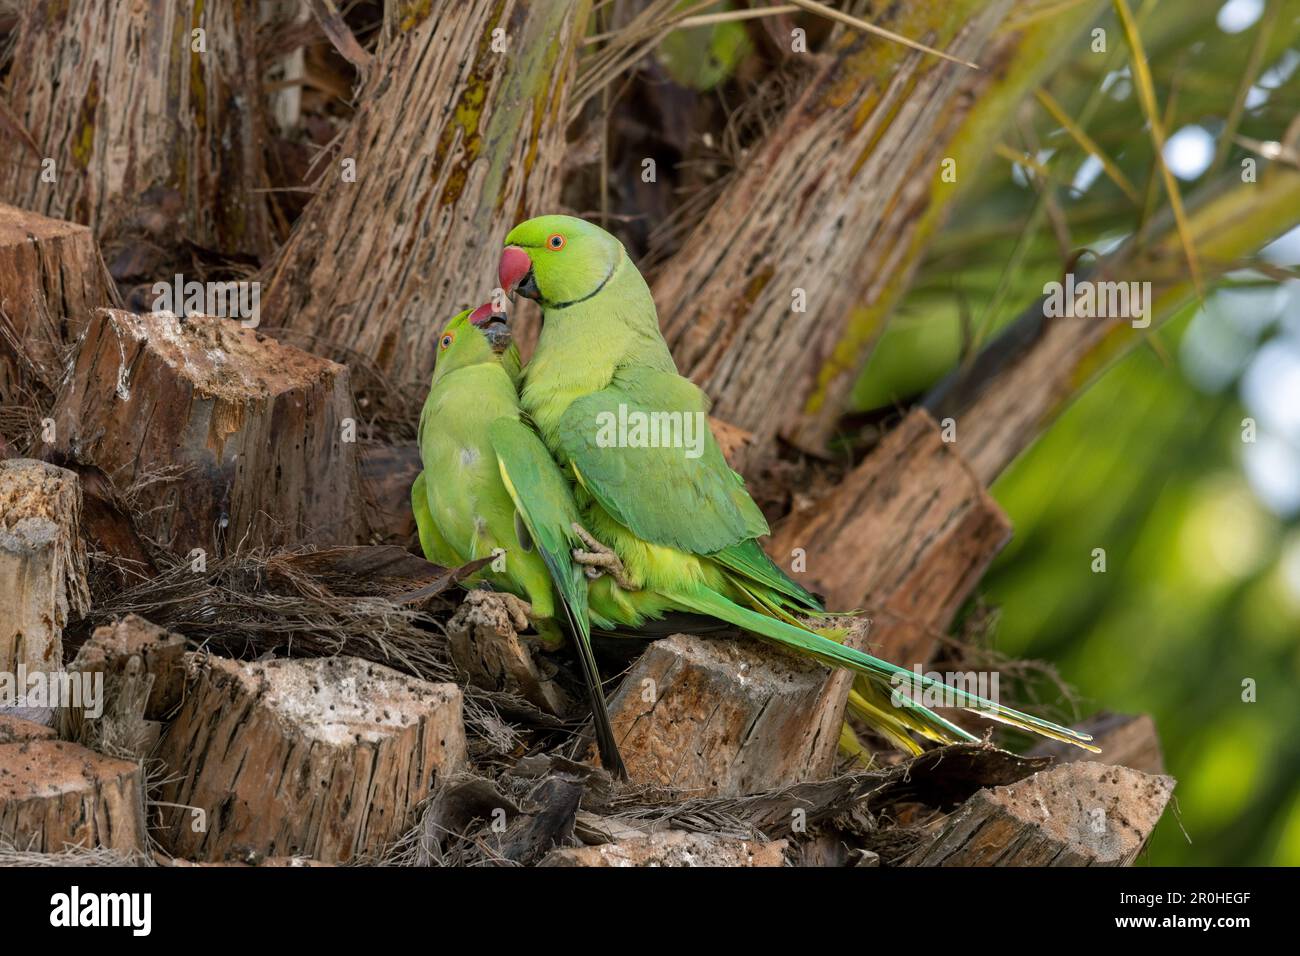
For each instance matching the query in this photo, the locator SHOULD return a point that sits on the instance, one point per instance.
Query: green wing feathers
(544, 501)
(423, 520)
(680, 494)
(751, 562)
(432, 543)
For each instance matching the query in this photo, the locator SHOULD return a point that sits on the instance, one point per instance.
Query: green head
(472, 337)
(558, 260)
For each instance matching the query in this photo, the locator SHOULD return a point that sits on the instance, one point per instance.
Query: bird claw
(517, 610)
(599, 560)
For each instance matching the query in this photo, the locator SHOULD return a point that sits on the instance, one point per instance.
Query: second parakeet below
(490, 488)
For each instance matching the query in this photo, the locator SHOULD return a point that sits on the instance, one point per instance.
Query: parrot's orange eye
(555, 242)
(446, 342)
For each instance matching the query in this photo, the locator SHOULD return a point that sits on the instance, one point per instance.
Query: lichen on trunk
(836, 206)
(139, 108)
(460, 138)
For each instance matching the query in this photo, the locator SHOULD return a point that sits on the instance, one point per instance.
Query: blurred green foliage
(1195, 599)
(703, 58)
(1201, 590)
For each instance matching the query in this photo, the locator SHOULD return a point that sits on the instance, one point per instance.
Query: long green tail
(543, 500)
(882, 674)
(580, 628)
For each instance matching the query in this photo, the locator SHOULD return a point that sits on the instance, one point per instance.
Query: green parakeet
(651, 482)
(490, 487)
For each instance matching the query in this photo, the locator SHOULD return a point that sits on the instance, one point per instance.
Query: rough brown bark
(326, 758)
(672, 848)
(156, 653)
(108, 526)
(51, 278)
(138, 672)
(828, 203)
(14, 729)
(727, 716)
(387, 473)
(1080, 814)
(905, 537)
(732, 440)
(54, 795)
(144, 129)
(483, 637)
(1005, 417)
(544, 822)
(453, 144)
(42, 563)
(224, 437)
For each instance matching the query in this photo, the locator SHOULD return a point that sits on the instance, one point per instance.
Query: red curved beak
(494, 325)
(514, 265)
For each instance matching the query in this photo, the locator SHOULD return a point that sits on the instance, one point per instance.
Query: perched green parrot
(491, 488)
(651, 482)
